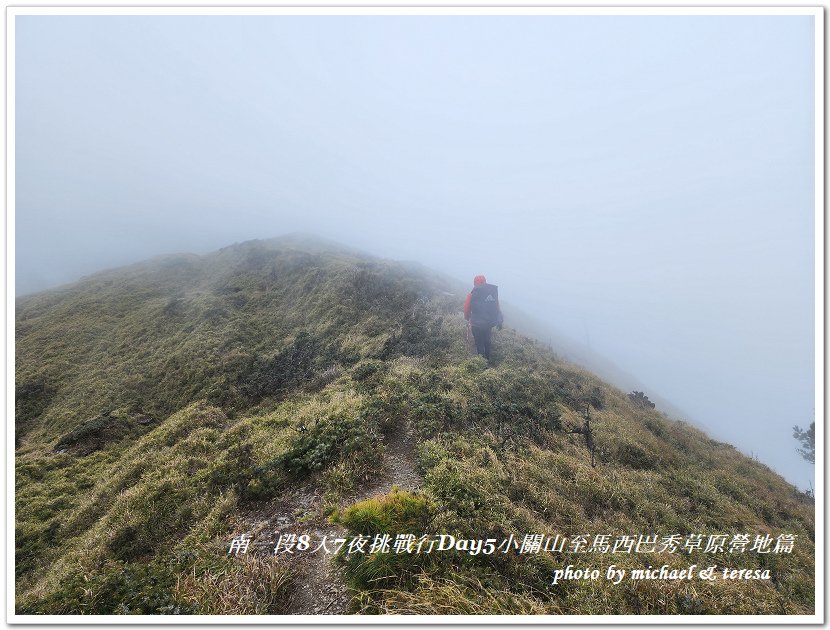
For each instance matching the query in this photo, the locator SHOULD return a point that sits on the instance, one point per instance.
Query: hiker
(482, 312)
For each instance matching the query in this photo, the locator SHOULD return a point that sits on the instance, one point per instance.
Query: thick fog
(644, 185)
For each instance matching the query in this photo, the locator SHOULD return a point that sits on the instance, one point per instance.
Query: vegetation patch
(159, 404)
(102, 430)
(289, 368)
(330, 441)
(117, 589)
(401, 518)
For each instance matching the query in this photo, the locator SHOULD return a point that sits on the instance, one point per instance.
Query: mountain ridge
(162, 406)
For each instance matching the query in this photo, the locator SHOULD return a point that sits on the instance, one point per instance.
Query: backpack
(484, 306)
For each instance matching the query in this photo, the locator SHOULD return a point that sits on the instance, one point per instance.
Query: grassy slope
(157, 403)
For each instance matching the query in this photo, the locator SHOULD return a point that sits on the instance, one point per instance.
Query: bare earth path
(319, 585)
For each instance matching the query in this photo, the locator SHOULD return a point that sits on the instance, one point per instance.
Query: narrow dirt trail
(320, 588)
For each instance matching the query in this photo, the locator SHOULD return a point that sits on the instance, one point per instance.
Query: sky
(643, 184)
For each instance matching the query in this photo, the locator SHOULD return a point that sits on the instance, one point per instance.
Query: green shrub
(395, 513)
(118, 589)
(472, 498)
(290, 367)
(332, 440)
(398, 512)
(365, 369)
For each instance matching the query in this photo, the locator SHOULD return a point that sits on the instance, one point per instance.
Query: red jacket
(467, 306)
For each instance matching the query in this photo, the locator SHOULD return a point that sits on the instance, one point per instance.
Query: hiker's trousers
(482, 336)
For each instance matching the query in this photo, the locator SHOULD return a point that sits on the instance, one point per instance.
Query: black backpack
(484, 306)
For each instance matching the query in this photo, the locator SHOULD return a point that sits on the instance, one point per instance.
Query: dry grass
(249, 585)
(454, 595)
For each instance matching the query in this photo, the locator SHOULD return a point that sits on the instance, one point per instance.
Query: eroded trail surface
(320, 588)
